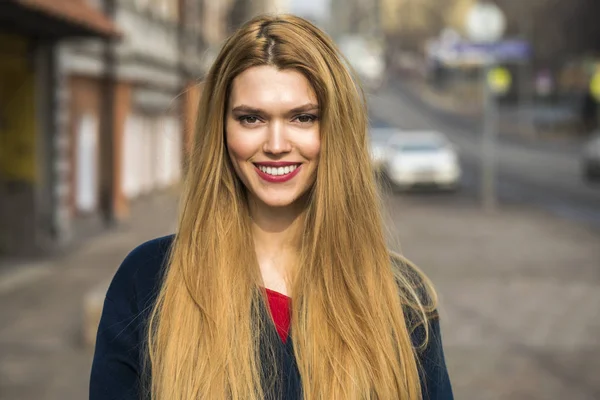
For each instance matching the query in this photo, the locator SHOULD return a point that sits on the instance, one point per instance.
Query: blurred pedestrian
(278, 282)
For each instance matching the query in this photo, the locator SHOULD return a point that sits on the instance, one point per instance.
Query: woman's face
(272, 132)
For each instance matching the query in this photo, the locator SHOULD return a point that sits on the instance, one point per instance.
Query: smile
(280, 171)
(277, 174)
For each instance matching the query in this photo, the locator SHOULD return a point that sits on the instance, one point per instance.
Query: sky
(318, 8)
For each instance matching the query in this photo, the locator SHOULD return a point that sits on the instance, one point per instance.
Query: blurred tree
(409, 24)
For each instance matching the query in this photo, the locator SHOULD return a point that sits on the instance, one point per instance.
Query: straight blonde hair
(351, 337)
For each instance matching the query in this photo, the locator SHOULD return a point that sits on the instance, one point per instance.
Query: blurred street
(519, 292)
(519, 289)
(544, 176)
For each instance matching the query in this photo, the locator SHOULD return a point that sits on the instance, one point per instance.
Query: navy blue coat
(116, 370)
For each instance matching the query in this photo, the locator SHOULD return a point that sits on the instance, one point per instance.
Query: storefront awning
(55, 18)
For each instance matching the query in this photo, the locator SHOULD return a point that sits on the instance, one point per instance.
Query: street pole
(526, 94)
(486, 23)
(488, 143)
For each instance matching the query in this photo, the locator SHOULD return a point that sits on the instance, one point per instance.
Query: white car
(422, 158)
(379, 138)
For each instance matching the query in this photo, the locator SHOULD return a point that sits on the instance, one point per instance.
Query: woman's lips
(277, 172)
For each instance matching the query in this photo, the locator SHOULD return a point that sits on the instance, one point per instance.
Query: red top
(280, 310)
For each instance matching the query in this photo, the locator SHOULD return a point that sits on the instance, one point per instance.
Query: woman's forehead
(269, 87)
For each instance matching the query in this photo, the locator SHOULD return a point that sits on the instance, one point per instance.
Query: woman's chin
(278, 203)
(282, 200)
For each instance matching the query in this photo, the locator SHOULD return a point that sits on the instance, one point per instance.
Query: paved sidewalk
(520, 298)
(42, 355)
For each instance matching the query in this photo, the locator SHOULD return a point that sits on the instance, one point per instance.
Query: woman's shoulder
(118, 358)
(412, 282)
(140, 273)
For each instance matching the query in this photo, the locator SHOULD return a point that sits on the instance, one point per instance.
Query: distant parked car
(591, 158)
(422, 158)
(379, 138)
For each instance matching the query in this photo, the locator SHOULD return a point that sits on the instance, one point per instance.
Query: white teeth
(278, 171)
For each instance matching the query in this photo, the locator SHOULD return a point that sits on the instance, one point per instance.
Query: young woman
(278, 283)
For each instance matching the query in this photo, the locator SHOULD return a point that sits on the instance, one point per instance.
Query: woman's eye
(248, 120)
(306, 118)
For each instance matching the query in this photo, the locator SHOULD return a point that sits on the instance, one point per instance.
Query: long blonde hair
(350, 295)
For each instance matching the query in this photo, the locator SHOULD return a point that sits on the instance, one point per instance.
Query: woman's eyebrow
(305, 108)
(247, 109)
(242, 108)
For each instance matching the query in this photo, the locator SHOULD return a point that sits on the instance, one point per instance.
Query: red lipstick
(276, 164)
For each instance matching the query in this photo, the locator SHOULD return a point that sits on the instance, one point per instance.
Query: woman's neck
(276, 233)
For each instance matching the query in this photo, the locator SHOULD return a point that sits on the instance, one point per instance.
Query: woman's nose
(276, 141)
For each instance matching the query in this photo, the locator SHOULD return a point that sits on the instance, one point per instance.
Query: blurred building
(271, 6)
(241, 11)
(124, 108)
(34, 145)
(390, 15)
(355, 17)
